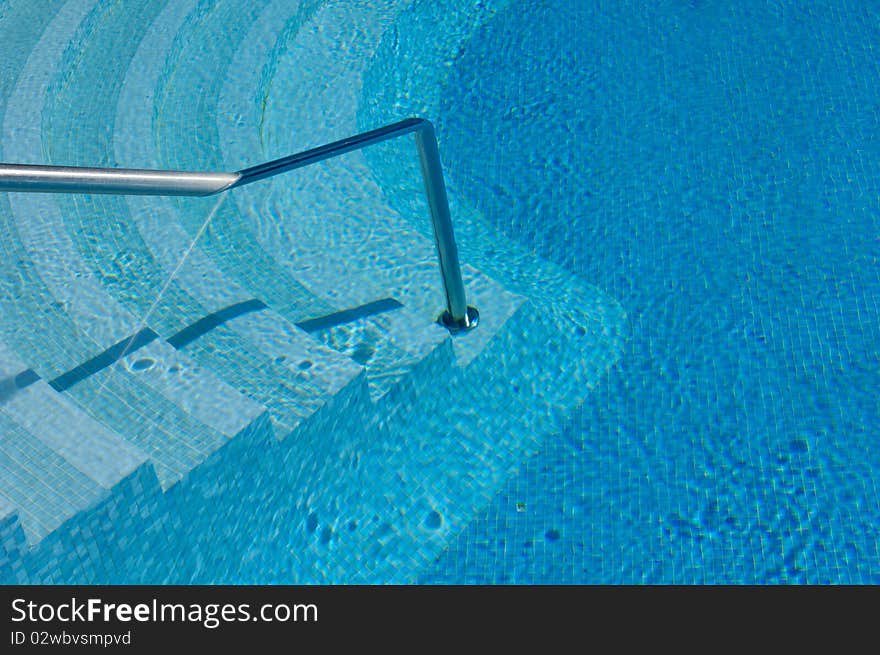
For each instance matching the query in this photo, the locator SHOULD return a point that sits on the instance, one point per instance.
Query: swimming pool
(695, 184)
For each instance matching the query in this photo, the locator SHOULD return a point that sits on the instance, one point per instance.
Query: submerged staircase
(170, 474)
(154, 467)
(290, 410)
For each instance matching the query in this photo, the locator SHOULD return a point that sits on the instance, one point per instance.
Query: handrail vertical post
(458, 315)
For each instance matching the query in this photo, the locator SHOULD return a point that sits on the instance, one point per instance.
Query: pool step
(389, 346)
(45, 488)
(60, 467)
(87, 445)
(301, 376)
(31, 408)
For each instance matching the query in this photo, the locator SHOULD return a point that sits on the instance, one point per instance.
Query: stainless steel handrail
(128, 181)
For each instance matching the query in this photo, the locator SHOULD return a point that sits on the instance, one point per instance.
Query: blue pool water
(669, 213)
(716, 168)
